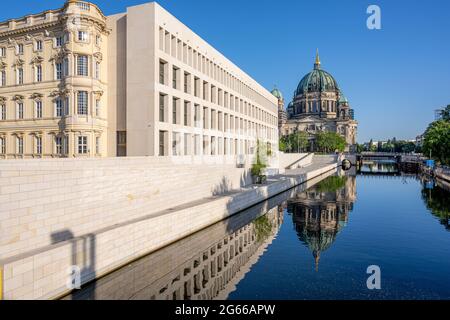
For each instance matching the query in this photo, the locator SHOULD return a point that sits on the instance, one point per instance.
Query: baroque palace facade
(318, 106)
(76, 83)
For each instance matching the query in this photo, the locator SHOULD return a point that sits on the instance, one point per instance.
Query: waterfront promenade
(42, 272)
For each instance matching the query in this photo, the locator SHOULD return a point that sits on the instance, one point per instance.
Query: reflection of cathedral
(318, 105)
(322, 211)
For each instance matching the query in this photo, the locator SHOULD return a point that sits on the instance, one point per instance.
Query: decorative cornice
(28, 29)
(2, 99)
(18, 97)
(37, 60)
(19, 62)
(36, 96)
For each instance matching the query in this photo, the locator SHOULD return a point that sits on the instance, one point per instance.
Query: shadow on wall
(225, 184)
(83, 256)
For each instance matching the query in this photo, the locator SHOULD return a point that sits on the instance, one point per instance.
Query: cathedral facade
(318, 106)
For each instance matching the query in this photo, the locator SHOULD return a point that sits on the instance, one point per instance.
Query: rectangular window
(82, 102)
(97, 70)
(19, 145)
(3, 78)
(97, 108)
(97, 145)
(175, 78)
(186, 144)
(197, 116)
(186, 82)
(59, 71)
(39, 45)
(174, 111)
(20, 110)
(82, 66)
(3, 112)
(162, 145)
(2, 145)
(162, 72)
(59, 145)
(20, 76)
(213, 146)
(82, 145)
(162, 107)
(59, 107)
(38, 145)
(20, 48)
(38, 109)
(39, 73)
(186, 113)
(82, 36)
(3, 52)
(59, 41)
(66, 67)
(205, 118)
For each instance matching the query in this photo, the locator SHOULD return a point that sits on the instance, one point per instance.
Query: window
(66, 67)
(186, 143)
(38, 109)
(38, 145)
(19, 145)
(59, 71)
(20, 48)
(59, 145)
(186, 82)
(39, 45)
(197, 116)
(175, 78)
(82, 145)
(175, 144)
(162, 107)
(39, 73)
(2, 112)
(97, 145)
(82, 102)
(174, 111)
(2, 52)
(186, 113)
(97, 107)
(97, 70)
(162, 72)
(162, 145)
(196, 86)
(20, 110)
(59, 41)
(82, 66)
(82, 36)
(59, 107)
(3, 78)
(20, 76)
(2, 145)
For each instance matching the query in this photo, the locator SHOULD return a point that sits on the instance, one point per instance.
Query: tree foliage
(330, 142)
(437, 141)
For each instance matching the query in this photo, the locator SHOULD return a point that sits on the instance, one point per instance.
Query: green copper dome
(343, 99)
(317, 81)
(277, 93)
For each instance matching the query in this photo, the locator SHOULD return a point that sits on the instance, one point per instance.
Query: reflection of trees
(263, 228)
(437, 201)
(321, 212)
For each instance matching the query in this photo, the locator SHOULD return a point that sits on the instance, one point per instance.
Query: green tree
(298, 141)
(330, 142)
(446, 114)
(437, 141)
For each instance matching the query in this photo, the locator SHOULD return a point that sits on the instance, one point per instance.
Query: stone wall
(101, 214)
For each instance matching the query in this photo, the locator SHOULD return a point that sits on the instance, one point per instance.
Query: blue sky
(394, 78)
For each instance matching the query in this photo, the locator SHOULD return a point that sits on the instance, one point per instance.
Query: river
(314, 242)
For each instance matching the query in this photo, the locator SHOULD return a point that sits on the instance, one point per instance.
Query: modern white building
(139, 83)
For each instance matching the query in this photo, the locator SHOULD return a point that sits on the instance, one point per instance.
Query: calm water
(314, 242)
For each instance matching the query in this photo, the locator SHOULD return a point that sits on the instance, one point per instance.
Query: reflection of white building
(318, 106)
(74, 83)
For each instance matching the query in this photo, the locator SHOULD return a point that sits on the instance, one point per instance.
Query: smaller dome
(277, 93)
(343, 99)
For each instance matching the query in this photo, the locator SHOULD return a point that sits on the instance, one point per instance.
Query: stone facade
(53, 84)
(74, 83)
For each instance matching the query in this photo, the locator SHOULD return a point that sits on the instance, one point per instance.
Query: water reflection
(321, 212)
(379, 167)
(437, 199)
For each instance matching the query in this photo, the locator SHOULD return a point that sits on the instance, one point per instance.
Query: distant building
(318, 105)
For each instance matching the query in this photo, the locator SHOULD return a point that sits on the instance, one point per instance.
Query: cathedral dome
(317, 81)
(277, 93)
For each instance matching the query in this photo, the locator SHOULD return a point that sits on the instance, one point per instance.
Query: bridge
(398, 157)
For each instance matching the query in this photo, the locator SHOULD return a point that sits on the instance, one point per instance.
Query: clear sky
(394, 77)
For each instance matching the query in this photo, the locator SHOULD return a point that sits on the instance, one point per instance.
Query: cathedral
(318, 105)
